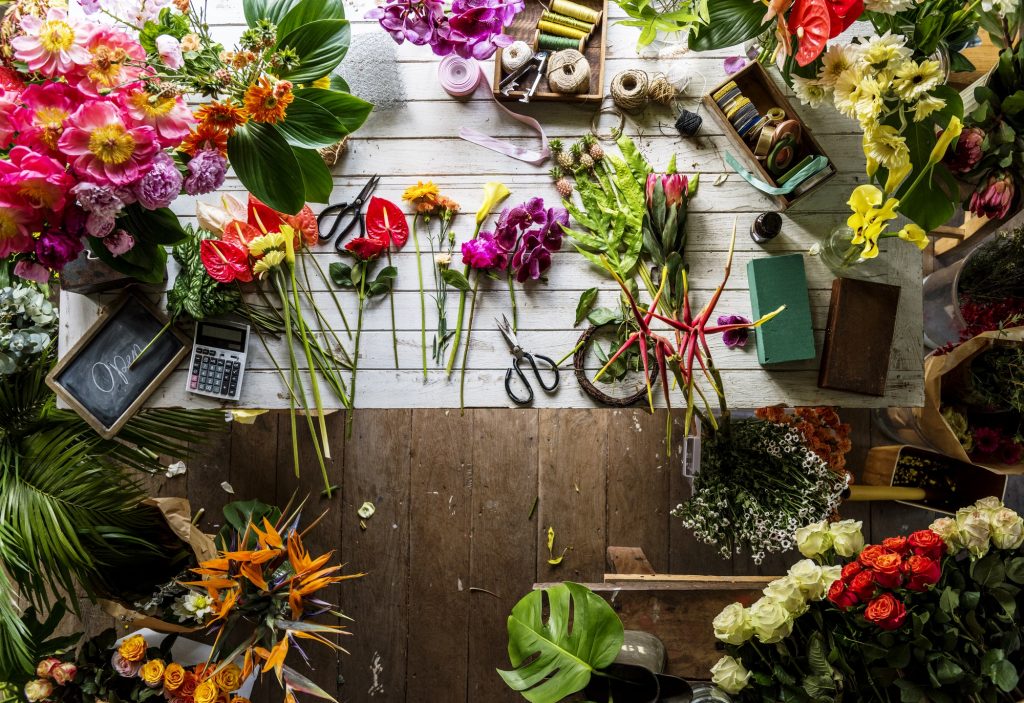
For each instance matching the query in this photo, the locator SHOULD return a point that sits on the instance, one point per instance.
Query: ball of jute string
(515, 55)
(662, 91)
(568, 72)
(629, 89)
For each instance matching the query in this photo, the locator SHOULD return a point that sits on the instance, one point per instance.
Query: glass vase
(838, 252)
(665, 45)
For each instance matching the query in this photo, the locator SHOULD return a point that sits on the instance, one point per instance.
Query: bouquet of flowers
(28, 325)
(933, 616)
(470, 28)
(823, 432)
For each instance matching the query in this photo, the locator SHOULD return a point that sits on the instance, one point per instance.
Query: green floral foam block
(776, 281)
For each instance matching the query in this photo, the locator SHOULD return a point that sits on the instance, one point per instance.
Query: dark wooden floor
(453, 545)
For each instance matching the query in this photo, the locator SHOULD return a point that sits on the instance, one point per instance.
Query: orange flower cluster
(268, 102)
(217, 120)
(427, 200)
(825, 434)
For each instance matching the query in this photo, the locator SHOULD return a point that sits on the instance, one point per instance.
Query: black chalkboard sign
(96, 377)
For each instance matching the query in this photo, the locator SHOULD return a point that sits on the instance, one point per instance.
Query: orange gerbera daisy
(205, 137)
(224, 115)
(268, 102)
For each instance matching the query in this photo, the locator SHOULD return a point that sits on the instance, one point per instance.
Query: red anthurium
(305, 222)
(240, 233)
(225, 261)
(386, 221)
(811, 24)
(842, 14)
(264, 217)
(367, 248)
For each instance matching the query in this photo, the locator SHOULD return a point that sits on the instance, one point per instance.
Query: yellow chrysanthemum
(869, 102)
(836, 60)
(271, 260)
(912, 79)
(847, 91)
(882, 54)
(887, 146)
(926, 106)
(421, 192)
(264, 243)
(914, 234)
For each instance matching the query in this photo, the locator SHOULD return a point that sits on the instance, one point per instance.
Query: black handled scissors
(518, 354)
(346, 216)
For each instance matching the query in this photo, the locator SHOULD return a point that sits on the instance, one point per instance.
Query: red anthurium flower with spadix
(811, 24)
(240, 233)
(386, 221)
(367, 248)
(842, 14)
(225, 261)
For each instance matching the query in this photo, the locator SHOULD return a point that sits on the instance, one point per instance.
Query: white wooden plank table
(419, 141)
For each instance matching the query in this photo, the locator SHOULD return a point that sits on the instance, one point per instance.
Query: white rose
(946, 528)
(974, 530)
(991, 503)
(787, 592)
(829, 575)
(732, 625)
(730, 675)
(847, 539)
(1007, 529)
(814, 539)
(770, 620)
(807, 575)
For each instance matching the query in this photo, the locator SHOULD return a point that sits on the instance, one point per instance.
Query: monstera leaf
(562, 651)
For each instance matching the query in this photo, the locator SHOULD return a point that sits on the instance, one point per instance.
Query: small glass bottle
(766, 226)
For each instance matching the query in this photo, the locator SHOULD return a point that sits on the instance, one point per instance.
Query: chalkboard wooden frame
(108, 432)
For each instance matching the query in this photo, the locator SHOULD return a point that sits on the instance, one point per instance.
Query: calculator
(218, 359)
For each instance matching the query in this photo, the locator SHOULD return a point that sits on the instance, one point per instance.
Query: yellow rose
(174, 676)
(152, 673)
(206, 692)
(133, 648)
(229, 678)
(240, 699)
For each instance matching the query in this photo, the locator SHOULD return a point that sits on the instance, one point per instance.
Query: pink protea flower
(994, 197)
(103, 149)
(41, 120)
(967, 153)
(17, 221)
(114, 60)
(52, 46)
(37, 179)
(167, 114)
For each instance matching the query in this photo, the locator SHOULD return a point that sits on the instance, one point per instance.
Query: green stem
(394, 329)
(326, 280)
(359, 334)
(574, 350)
(465, 351)
(512, 295)
(151, 343)
(458, 320)
(291, 357)
(423, 304)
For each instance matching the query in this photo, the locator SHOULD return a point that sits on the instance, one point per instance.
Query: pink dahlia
(41, 120)
(103, 149)
(167, 114)
(114, 60)
(39, 180)
(17, 221)
(52, 46)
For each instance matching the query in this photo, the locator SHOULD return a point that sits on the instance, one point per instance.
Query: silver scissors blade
(370, 186)
(506, 330)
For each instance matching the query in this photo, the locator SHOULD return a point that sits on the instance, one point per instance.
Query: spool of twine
(549, 16)
(576, 11)
(568, 72)
(515, 55)
(550, 42)
(629, 90)
(560, 30)
(331, 154)
(661, 90)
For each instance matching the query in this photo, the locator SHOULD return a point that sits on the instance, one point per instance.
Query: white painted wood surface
(419, 141)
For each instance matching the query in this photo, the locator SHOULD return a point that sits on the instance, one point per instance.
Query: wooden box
(524, 27)
(755, 83)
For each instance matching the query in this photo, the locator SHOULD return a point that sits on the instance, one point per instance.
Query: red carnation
(886, 612)
(926, 543)
(863, 585)
(921, 572)
(870, 553)
(851, 570)
(366, 248)
(888, 570)
(896, 544)
(842, 597)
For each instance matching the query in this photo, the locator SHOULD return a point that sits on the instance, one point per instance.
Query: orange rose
(240, 699)
(870, 553)
(206, 692)
(888, 570)
(152, 673)
(174, 677)
(886, 612)
(229, 678)
(188, 686)
(133, 648)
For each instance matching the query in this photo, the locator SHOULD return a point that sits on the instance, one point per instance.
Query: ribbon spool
(568, 72)
(515, 56)
(561, 30)
(629, 90)
(576, 11)
(551, 42)
(458, 76)
(549, 16)
(781, 155)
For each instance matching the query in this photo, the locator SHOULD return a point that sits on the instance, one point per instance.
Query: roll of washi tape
(787, 128)
(748, 124)
(551, 42)
(515, 56)
(576, 11)
(717, 95)
(781, 155)
(764, 140)
(561, 30)
(742, 116)
(735, 106)
(728, 97)
(776, 114)
(549, 16)
(568, 72)
(458, 76)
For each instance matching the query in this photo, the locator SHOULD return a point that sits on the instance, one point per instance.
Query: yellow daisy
(926, 106)
(913, 80)
(263, 244)
(869, 102)
(421, 192)
(887, 146)
(884, 52)
(836, 60)
(847, 91)
(270, 261)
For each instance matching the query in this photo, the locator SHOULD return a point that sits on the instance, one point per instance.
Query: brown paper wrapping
(178, 514)
(929, 418)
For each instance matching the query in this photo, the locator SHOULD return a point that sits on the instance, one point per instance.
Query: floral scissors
(346, 216)
(518, 354)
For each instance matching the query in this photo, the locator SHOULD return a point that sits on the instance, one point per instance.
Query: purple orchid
(473, 29)
(734, 337)
(524, 237)
(413, 20)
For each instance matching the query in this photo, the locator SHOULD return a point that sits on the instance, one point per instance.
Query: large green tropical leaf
(307, 125)
(267, 167)
(155, 226)
(320, 45)
(316, 177)
(347, 109)
(731, 22)
(308, 11)
(145, 261)
(582, 633)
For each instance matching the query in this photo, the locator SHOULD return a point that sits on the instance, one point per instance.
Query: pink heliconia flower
(37, 179)
(17, 221)
(41, 120)
(103, 149)
(167, 114)
(52, 46)
(114, 61)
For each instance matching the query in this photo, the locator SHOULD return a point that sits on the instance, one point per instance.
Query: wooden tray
(755, 83)
(524, 27)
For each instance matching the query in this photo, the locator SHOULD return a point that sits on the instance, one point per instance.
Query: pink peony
(52, 46)
(119, 242)
(37, 179)
(114, 60)
(103, 148)
(17, 221)
(8, 106)
(167, 114)
(994, 198)
(46, 108)
(169, 49)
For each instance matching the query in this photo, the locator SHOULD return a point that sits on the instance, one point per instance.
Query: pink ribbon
(460, 78)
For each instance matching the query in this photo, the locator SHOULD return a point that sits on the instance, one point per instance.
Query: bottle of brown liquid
(766, 226)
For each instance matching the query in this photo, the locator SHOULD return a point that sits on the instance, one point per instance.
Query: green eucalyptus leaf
(321, 46)
(587, 300)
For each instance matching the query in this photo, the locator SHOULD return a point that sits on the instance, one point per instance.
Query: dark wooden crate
(524, 27)
(755, 83)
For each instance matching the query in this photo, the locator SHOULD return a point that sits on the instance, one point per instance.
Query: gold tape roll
(567, 21)
(572, 9)
(560, 30)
